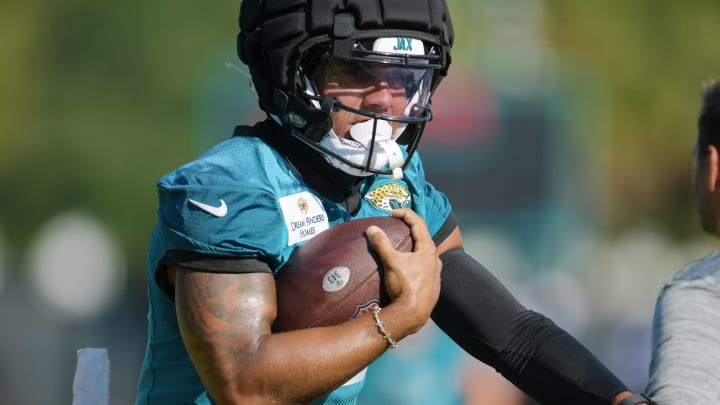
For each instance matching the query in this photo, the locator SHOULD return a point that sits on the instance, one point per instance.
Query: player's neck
(329, 181)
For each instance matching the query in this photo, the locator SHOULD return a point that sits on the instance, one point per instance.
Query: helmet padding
(276, 34)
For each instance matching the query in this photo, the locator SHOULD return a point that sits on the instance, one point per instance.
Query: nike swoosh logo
(219, 212)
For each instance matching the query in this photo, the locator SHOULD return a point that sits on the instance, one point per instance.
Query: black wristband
(635, 399)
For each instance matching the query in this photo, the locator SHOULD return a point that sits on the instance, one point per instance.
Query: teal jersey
(242, 199)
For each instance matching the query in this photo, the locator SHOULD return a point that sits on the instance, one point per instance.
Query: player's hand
(411, 279)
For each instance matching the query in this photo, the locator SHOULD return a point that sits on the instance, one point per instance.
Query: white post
(91, 385)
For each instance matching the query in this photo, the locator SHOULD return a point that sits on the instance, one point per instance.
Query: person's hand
(628, 398)
(412, 280)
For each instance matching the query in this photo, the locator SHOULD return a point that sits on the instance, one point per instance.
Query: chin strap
(395, 157)
(635, 399)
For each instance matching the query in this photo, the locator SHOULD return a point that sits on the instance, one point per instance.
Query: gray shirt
(685, 366)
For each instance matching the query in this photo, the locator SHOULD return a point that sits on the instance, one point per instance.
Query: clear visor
(375, 87)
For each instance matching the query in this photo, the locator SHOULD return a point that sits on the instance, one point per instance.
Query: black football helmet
(364, 68)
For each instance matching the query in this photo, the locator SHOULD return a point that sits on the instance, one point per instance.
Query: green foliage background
(96, 103)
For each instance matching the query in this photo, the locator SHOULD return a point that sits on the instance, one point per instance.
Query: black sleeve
(206, 263)
(213, 264)
(446, 229)
(528, 349)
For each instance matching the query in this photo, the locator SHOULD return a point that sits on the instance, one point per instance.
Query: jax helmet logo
(403, 44)
(389, 197)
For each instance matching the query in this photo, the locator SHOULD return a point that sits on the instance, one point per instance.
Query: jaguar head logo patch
(389, 197)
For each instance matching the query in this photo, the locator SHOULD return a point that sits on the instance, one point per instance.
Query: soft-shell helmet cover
(275, 35)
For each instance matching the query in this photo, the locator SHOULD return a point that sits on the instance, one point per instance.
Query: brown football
(336, 275)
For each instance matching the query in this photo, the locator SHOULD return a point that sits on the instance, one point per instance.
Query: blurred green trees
(653, 57)
(96, 105)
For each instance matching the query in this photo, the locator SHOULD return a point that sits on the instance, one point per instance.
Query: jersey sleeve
(207, 211)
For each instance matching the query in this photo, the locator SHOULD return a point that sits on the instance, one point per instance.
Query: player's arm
(531, 351)
(225, 320)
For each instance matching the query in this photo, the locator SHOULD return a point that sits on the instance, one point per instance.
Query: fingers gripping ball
(336, 275)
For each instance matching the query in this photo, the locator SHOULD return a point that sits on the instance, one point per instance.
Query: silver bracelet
(376, 316)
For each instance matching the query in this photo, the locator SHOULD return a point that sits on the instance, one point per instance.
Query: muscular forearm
(296, 367)
(322, 358)
(240, 361)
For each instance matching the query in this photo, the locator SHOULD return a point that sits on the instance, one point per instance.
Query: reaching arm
(225, 321)
(540, 358)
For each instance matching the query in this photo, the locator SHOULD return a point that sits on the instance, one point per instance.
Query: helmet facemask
(375, 99)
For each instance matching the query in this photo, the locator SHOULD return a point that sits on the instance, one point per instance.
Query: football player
(346, 86)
